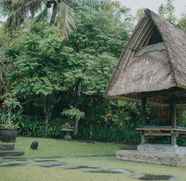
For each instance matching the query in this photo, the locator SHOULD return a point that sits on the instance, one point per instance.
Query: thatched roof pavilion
(153, 64)
(153, 68)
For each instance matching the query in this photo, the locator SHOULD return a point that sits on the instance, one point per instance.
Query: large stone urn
(8, 135)
(7, 143)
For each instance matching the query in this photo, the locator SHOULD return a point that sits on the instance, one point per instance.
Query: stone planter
(7, 143)
(8, 135)
(67, 133)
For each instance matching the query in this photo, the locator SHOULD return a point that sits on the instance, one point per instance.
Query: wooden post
(143, 104)
(173, 121)
(173, 114)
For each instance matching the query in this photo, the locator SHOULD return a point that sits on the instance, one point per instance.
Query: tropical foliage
(56, 79)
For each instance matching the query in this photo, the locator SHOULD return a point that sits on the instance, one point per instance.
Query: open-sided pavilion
(153, 69)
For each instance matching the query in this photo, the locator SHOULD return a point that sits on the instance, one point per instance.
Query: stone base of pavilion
(171, 155)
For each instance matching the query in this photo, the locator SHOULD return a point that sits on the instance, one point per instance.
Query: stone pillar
(174, 139)
(143, 141)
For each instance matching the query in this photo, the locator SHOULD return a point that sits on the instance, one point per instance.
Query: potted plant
(9, 113)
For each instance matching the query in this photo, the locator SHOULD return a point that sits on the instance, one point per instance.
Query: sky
(153, 5)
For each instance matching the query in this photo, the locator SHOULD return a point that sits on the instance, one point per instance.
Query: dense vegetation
(53, 77)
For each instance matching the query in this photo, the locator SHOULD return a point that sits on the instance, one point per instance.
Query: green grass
(61, 148)
(71, 154)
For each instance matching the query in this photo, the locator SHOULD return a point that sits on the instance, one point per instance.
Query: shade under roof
(153, 64)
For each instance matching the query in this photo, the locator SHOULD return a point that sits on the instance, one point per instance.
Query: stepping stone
(82, 167)
(44, 160)
(51, 164)
(11, 164)
(94, 169)
(156, 177)
(110, 171)
(124, 171)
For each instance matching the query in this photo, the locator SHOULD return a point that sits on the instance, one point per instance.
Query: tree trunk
(46, 116)
(54, 13)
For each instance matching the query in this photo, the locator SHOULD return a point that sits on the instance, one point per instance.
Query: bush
(109, 135)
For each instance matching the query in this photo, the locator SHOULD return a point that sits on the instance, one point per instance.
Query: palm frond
(19, 10)
(65, 20)
(61, 12)
(42, 15)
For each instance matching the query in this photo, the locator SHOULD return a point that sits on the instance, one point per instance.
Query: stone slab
(161, 158)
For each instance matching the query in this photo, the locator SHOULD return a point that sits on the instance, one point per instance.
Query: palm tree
(57, 12)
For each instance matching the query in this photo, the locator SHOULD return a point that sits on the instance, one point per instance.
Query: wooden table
(161, 131)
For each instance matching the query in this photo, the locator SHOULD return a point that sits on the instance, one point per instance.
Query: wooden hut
(153, 68)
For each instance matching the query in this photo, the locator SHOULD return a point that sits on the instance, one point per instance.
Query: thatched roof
(154, 62)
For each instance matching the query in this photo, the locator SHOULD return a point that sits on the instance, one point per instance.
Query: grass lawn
(61, 148)
(77, 154)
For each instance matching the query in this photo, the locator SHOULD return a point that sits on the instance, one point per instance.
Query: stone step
(4, 153)
(7, 146)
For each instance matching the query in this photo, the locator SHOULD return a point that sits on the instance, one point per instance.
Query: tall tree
(167, 11)
(57, 12)
(75, 71)
(139, 14)
(182, 22)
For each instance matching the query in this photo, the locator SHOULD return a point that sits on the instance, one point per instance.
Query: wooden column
(173, 114)
(173, 121)
(143, 104)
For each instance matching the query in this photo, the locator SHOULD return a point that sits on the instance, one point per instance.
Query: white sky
(154, 4)
(134, 5)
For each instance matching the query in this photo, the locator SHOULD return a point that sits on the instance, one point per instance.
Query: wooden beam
(157, 134)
